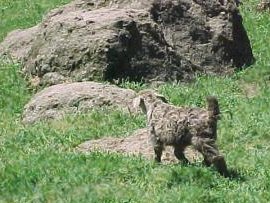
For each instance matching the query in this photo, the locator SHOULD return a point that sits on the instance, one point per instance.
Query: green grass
(23, 13)
(38, 163)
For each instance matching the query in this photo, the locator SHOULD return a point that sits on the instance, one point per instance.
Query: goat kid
(182, 126)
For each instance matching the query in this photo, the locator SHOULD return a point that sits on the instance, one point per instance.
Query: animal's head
(147, 97)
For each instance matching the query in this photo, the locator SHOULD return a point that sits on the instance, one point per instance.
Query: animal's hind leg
(179, 153)
(206, 162)
(210, 153)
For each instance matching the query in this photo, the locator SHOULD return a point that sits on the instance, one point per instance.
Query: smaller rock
(56, 101)
(137, 144)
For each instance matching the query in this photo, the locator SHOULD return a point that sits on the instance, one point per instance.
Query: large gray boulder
(18, 43)
(56, 101)
(154, 40)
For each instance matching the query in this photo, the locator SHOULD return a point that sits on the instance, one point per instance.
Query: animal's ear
(136, 102)
(162, 98)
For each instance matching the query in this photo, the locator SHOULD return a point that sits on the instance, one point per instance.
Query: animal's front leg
(158, 146)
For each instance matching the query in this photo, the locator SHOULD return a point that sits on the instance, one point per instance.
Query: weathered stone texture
(154, 40)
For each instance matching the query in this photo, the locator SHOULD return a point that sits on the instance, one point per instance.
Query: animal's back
(196, 116)
(169, 124)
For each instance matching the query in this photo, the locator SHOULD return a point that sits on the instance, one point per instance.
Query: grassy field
(38, 163)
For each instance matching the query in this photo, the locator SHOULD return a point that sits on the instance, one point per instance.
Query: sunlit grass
(38, 163)
(23, 13)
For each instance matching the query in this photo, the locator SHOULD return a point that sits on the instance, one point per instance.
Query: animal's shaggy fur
(181, 127)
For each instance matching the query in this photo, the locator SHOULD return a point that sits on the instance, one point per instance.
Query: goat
(182, 126)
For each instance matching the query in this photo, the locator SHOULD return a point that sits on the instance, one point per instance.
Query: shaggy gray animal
(182, 126)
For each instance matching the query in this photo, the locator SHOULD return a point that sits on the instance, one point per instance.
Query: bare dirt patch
(250, 90)
(137, 144)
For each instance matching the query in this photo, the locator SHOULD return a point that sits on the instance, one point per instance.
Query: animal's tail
(213, 106)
